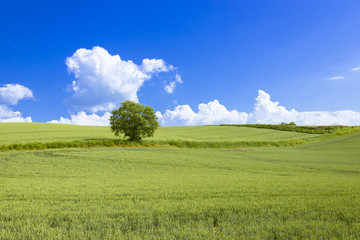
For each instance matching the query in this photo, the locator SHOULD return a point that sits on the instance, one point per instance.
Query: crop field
(310, 191)
(43, 132)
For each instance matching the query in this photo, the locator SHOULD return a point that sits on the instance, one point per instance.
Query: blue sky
(304, 54)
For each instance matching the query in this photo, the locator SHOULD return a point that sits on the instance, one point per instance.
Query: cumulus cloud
(265, 111)
(172, 85)
(209, 113)
(336, 78)
(81, 118)
(7, 115)
(10, 94)
(104, 80)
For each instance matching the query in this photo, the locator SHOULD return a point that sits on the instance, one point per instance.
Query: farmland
(307, 191)
(42, 132)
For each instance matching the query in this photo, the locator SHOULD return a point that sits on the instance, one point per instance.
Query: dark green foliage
(134, 121)
(290, 124)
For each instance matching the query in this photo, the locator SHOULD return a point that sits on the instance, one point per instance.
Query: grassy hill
(45, 132)
(306, 192)
(227, 133)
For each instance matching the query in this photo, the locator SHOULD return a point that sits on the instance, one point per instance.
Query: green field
(306, 192)
(43, 132)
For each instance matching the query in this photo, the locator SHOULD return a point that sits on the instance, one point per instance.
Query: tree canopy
(134, 120)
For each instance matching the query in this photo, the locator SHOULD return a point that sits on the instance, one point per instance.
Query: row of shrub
(148, 143)
(231, 144)
(303, 129)
(68, 144)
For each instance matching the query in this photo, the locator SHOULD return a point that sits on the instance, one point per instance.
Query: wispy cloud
(172, 85)
(356, 69)
(336, 78)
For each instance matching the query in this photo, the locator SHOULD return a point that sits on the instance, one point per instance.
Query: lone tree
(134, 120)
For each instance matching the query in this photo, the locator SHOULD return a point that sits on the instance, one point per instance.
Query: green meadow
(40, 136)
(45, 132)
(310, 191)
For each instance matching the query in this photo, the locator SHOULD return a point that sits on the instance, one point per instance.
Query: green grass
(11, 133)
(226, 133)
(39, 136)
(44, 132)
(306, 192)
(36, 136)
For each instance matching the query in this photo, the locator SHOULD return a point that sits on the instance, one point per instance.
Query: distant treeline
(303, 129)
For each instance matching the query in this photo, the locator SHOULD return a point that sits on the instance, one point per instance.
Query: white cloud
(104, 80)
(7, 115)
(265, 111)
(210, 113)
(356, 69)
(10, 94)
(336, 78)
(155, 66)
(172, 85)
(81, 118)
